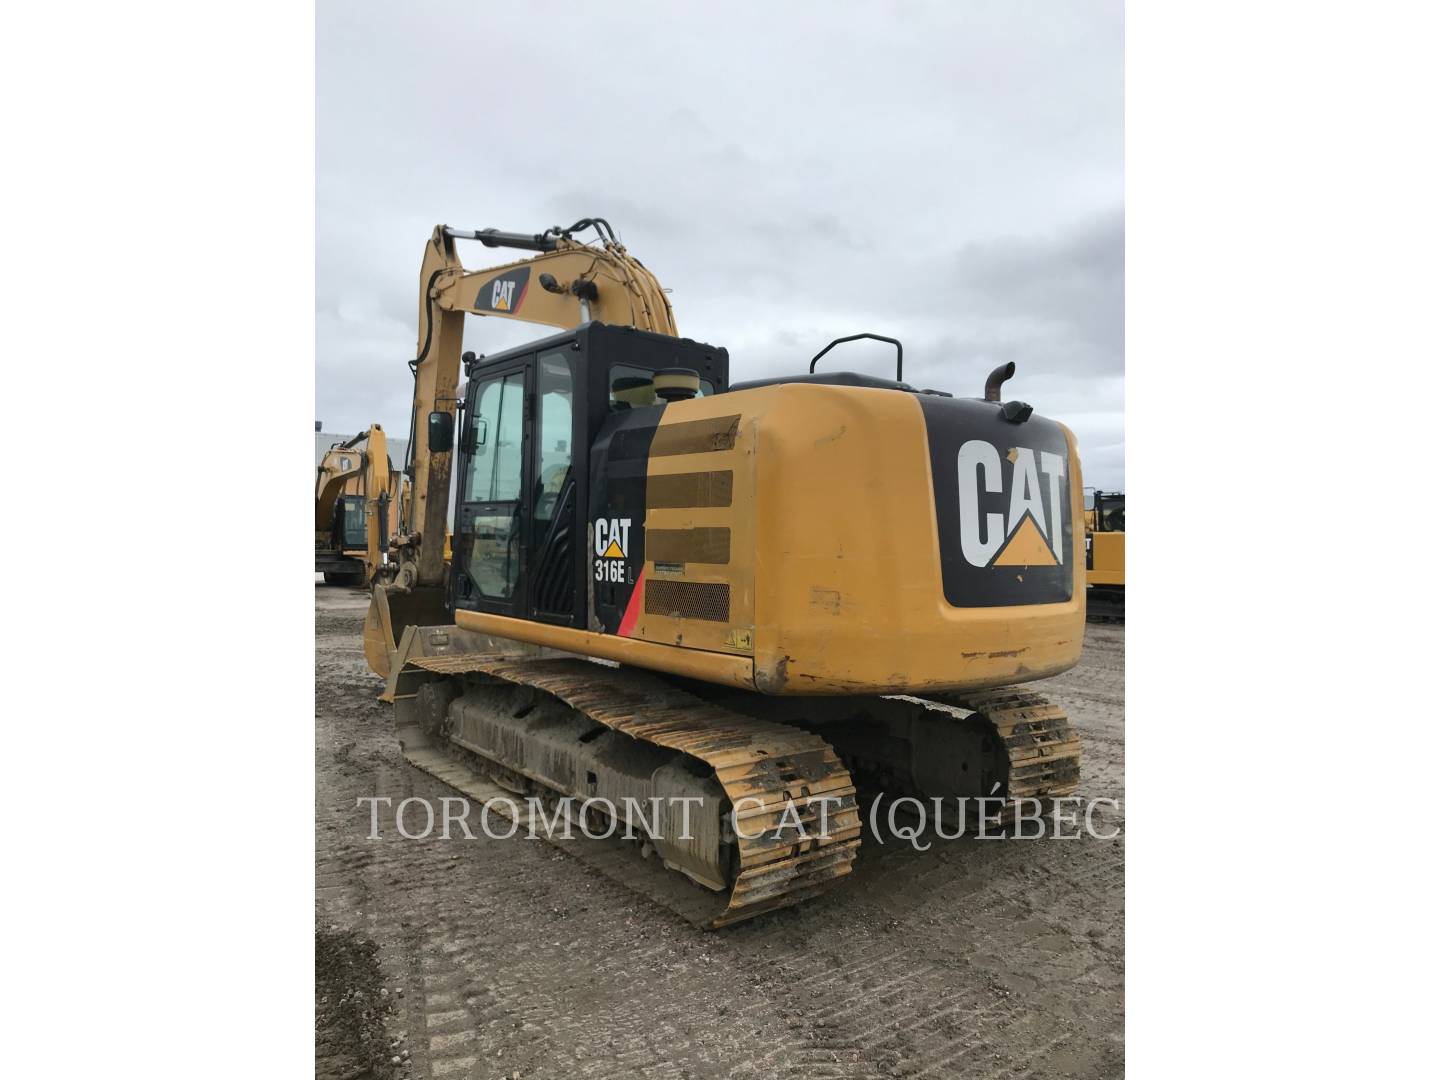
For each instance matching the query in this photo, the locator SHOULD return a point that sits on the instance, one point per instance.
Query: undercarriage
(1105, 603)
(742, 804)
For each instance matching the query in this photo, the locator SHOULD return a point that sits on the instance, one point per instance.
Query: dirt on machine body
(668, 589)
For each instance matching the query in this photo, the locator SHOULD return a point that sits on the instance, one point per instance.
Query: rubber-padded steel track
(769, 770)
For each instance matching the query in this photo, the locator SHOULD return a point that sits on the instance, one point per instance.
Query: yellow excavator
(358, 498)
(675, 592)
(1105, 557)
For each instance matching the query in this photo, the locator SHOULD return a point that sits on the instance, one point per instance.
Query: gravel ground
(504, 958)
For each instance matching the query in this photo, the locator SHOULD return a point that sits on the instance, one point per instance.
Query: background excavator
(358, 503)
(1105, 557)
(760, 567)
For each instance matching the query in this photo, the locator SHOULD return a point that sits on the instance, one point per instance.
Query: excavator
(737, 602)
(357, 495)
(1105, 557)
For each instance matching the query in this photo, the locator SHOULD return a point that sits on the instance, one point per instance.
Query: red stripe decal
(632, 609)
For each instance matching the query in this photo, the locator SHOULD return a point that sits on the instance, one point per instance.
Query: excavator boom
(566, 284)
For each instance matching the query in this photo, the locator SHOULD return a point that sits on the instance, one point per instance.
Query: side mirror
(441, 432)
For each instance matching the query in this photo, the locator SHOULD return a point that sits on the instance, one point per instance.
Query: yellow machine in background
(358, 503)
(766, 564)
(1105, 556)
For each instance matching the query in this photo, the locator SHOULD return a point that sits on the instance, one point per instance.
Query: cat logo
(1027, 529)
(612, 548)
(504, 294)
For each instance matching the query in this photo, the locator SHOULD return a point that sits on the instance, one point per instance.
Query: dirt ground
(508, 958)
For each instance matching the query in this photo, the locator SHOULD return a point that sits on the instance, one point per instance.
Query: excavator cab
(348, 528)
(1109, 511)
(530, 419)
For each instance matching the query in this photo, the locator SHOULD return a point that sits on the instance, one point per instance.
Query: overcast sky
(950, 174)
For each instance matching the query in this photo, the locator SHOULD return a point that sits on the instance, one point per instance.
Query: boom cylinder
(495, 238)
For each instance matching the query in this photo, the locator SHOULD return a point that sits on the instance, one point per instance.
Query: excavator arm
(564, 284)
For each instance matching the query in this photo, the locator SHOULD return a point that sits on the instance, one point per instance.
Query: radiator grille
(688, 600)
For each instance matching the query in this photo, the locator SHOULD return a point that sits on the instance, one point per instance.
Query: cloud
(949, 174)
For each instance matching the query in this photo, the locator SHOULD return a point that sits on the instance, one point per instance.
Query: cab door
(492, 520)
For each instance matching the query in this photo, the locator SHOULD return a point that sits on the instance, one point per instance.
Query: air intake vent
(688, 600)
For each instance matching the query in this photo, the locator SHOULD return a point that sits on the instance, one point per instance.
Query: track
(1042, 750)
(767, 754)
(1105, 604)
(784, 852)
(1000, 745)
